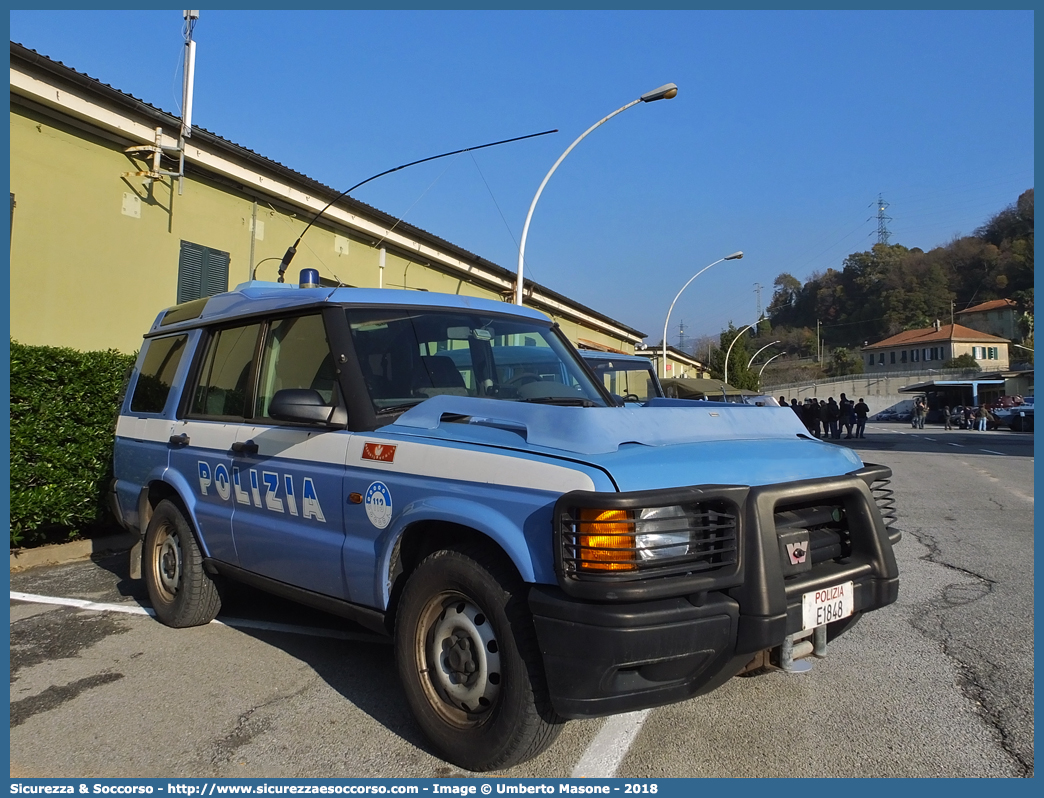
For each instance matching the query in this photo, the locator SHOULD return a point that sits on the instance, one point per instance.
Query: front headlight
(663, 532)
(684, 535)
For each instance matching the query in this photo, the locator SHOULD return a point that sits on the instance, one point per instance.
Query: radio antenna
(284, 264)
(289, 256)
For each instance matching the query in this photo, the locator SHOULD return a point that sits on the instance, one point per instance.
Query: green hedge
(64, 405)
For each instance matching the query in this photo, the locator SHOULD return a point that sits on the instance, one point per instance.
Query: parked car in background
(760, 401)
(890, 414)
(1020, 418)
(629, 377)
(1007, 408)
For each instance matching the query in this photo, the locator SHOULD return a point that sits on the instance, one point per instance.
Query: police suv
(445, 470)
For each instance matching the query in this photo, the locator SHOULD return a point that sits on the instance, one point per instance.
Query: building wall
(1000, 322)
(949, 350)
(94, 255)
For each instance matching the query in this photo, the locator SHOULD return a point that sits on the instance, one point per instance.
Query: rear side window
(224, 380)
(157, 374)
(296, 355)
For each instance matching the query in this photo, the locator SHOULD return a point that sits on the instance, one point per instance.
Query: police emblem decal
(378, 502)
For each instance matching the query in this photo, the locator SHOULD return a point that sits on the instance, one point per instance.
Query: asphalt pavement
(939, 684)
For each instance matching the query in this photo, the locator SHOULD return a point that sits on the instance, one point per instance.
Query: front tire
(182, 593)
(468, 659)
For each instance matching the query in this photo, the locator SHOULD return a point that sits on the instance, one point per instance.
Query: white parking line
(237, 623)
(601, 759)
(958, 445)
(991, 451)
(609, 747)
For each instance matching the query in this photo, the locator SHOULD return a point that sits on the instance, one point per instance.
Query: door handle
(179, 440)
(244, 447)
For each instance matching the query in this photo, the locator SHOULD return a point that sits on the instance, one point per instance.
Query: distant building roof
(946, 332)
(993, 304)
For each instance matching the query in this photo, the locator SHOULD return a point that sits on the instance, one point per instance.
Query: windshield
(635, 382)
(408, 356)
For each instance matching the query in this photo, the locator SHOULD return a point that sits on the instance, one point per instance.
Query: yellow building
(917, 350)
(98, 247)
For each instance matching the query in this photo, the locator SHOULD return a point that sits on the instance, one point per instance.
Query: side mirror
(300, 404)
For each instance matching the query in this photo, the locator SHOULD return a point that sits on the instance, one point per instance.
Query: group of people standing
(973, 418)
(827, 419)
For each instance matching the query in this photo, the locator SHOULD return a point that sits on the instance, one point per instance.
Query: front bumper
(604, 656)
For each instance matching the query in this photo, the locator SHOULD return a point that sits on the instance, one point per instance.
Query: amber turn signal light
(606, 540)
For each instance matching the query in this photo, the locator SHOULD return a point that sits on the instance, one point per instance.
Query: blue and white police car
(446, 471)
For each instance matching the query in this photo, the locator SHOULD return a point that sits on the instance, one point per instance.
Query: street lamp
(665, 92)
(663, 366)
(766, 346)
(763, 367)
(729, 352)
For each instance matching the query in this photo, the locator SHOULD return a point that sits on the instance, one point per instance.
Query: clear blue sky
(786, 128)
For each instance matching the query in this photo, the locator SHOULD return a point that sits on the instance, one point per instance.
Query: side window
(296, 355)
(157, 374)
(202, 271)
(224, 379)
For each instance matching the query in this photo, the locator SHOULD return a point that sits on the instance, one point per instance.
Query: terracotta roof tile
(947, 332)
(993, 304)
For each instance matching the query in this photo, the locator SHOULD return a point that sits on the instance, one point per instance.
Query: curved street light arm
(763, 367)
(665, 92)
(532, 205)
(663, 365)
(729, 352)
(766, 346)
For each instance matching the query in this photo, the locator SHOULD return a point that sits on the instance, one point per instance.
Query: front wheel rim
(460, 659)
(167, 565)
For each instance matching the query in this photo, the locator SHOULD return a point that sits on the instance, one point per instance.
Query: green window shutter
(215, 276)
(202, 271)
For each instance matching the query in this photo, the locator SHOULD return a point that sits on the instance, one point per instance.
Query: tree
(785, 297)
(739, 375)
(964, 361)
(842, 362)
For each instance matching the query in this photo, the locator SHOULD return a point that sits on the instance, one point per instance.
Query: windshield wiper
(563, 401)
(398, 408)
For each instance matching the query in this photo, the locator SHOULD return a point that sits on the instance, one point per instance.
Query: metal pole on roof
(665, 92)
(188, 80)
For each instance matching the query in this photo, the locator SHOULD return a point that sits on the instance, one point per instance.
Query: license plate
(827, 605)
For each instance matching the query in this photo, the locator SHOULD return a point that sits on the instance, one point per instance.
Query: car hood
(646, 447)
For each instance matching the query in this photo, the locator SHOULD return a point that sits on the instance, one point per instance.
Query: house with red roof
(997, 317)
(917, 350)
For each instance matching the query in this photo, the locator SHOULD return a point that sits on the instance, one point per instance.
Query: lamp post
(729, 352)
(766, 346)
(665, 92)
(763, 367)
(663, 366)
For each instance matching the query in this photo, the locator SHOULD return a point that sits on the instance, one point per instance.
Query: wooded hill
(891, 288)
